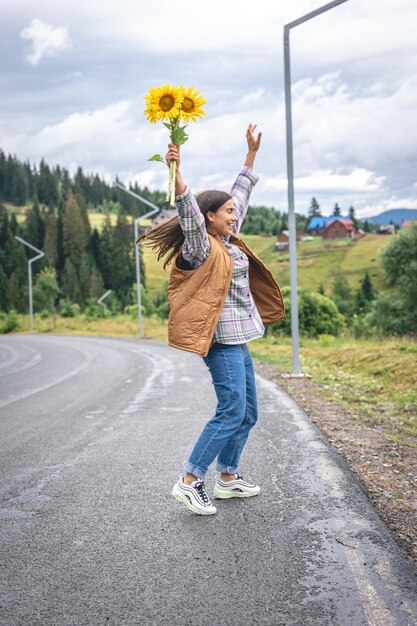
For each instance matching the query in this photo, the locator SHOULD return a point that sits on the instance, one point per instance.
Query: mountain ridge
(395, 216)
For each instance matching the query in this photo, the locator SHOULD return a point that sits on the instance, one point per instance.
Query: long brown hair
(167, 239)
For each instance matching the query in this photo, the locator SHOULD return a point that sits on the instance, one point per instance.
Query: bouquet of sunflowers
(173, 105)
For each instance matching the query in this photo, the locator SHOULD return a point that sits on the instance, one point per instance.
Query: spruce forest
(80, 262)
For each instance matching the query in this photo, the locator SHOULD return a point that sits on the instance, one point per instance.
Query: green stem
(172, 183)
(168, 194)
(172, 168)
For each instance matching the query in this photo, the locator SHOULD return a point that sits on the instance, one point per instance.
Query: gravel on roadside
(386, 470)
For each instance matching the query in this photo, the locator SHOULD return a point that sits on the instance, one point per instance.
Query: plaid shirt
(239, 321)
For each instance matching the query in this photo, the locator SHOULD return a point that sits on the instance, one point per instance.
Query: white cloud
(45, 40)
(354, 94)
(253, 97)
(359, 180)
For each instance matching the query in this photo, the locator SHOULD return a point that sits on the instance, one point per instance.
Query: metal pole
(155, 209)
(290, 175)
(291, 212)
(32, 260)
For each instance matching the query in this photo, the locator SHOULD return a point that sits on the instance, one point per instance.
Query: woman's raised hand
(253, 144)
(173, 154)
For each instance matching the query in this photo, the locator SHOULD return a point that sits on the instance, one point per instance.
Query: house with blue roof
(318, 223)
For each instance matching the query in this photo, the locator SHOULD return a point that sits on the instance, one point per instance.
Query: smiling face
(221, 222)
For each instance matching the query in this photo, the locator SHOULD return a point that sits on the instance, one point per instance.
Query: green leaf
(157, 157)
(167, 125)
(179, 136)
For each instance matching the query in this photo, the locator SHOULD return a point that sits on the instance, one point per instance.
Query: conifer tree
(51, 243)
(123, 264)
(74, 238)
(365, 295)
(5, 301)
(75, 279)
(13, 263)
(106, 253)
(35, 226)
(314, 208)
(20, 190)
(94, 247)
(353, 216)
(60, 261)
(342, 294)
(3, 174)
(336, 210)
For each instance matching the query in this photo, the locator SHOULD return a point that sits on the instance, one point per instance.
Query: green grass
(363, 257)
(317, 262)
(97, 220)
(117, 326)
(376, 378)
(156, 277)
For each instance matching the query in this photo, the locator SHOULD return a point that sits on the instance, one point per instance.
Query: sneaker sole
(188, 504)
(224, 495)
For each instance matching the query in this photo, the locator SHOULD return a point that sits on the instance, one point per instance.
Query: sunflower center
(166, 102)
(188, 104)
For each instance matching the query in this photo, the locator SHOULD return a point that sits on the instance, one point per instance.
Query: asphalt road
(93, 434)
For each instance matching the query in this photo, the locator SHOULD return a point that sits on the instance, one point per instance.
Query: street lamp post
(32, 260)
(155, 209)
(290, 175)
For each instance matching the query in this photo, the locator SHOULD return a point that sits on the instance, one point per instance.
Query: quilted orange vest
(196, 297)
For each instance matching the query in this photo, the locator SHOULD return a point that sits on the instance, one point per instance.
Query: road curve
(93, 434)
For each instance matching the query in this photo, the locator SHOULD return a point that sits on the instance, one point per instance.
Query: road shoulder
(385, 470)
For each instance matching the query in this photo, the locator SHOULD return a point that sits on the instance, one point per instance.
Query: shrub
(163, 310)
(390, 314)
(9, 322)
(93, 311)
(397, 312)
(318, 315)
(69, 309)
(363, 326)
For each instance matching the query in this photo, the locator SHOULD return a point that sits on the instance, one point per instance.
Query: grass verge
(376, 377)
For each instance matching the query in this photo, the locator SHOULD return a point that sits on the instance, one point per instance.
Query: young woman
(220, 295)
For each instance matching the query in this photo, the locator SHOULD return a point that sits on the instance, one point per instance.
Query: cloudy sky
(74, 75)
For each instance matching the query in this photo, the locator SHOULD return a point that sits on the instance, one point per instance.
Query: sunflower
(190, 107)
(163, 103)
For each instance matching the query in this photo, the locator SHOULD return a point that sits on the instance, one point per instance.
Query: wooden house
(339, 228)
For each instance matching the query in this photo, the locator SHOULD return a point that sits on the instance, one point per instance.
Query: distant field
(96, 219)
(317, 263)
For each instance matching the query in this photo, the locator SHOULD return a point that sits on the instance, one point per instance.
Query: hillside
(394, 216)
(317, 263)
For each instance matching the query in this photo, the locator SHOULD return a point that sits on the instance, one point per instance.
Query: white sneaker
(237, 488)
(194, 497)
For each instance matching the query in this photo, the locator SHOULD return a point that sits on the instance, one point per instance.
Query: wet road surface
(93, 434)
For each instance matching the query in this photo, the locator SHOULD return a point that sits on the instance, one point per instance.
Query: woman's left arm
(246, 179)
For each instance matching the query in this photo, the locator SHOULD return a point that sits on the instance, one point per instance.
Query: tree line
(80, 261)
(23, 183)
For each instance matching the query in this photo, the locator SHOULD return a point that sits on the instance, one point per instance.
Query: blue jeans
(225, 435)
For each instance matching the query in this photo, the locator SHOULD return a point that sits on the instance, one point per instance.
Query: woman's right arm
(196, 246)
